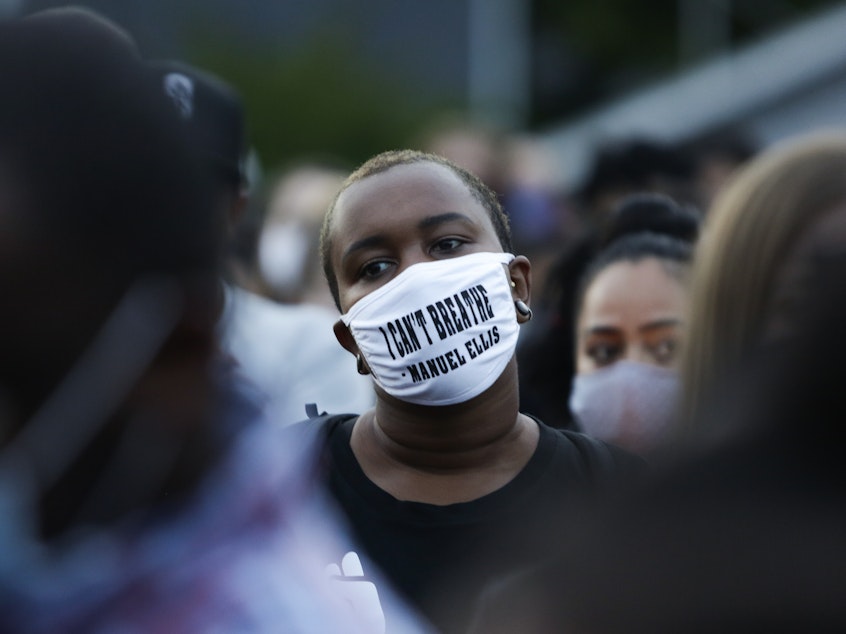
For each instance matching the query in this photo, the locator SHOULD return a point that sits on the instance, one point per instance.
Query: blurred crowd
(433, 392)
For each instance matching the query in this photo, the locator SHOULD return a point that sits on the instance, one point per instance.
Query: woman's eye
(604, 354)
(664, 352)
(374, 269)
(448, 244)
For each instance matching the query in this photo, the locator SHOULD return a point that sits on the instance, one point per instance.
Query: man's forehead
(433, 183)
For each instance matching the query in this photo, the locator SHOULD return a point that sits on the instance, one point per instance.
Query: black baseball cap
(79, 24)
(214, 111)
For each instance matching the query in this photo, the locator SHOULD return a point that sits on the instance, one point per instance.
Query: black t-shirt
(441, 557)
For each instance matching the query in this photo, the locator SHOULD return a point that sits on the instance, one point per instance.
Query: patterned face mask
(628, 403)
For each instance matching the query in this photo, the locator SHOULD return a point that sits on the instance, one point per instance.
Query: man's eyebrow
(364, 243)
(426, 223)
(439, 219)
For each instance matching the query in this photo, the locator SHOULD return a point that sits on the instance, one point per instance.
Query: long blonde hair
(748, 232)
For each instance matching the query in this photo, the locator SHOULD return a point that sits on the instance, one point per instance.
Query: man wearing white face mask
(443, 480)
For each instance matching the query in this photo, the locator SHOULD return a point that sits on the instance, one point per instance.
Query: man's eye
(374, 269)
(448, 244)
(604, 354)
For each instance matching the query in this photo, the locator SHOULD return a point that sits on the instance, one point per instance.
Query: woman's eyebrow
(660, 323)
(601, 330)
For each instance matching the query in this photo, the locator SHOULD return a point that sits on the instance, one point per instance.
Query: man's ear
(520, 272)
(345, 338)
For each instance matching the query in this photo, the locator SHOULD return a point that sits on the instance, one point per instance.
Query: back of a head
(752, 228)
(98, 188)
(633, 165)
(213, 113)
(84, 119)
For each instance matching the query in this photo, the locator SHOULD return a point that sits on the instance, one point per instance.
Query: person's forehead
(649, 272)
(631, 288)
(422, 185)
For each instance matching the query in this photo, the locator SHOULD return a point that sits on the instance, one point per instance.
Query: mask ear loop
(96, 385)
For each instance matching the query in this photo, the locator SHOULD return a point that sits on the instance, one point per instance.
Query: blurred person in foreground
(441, 477)
(744, 530)
(286, 350)
(750, 272)
(139, 489)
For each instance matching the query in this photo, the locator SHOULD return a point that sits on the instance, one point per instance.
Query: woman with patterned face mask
(417, 255)
(631, 323)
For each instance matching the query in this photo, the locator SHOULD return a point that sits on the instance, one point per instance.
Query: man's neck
(446, 454)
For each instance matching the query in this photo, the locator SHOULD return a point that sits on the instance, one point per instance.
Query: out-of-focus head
(717, 156)
(627, 166)
(99, 190)
(759, 238)
(475, 147)
(630, 323)
(288, 244)
(432, 168)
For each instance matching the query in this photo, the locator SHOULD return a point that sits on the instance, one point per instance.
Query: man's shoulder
(320, 425)
(599, 459)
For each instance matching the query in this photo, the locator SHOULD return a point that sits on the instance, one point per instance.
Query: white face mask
(440, 332)
(283, 256)
(628, 403)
